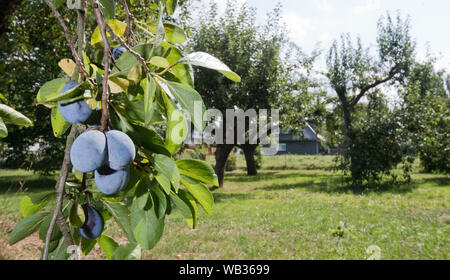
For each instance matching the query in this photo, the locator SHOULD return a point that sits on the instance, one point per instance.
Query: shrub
(231, 163)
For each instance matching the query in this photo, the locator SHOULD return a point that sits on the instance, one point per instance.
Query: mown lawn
(294, 209)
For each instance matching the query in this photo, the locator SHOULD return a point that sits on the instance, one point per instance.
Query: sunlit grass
(295, 209)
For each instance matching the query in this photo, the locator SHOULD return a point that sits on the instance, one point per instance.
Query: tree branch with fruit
(128, 174)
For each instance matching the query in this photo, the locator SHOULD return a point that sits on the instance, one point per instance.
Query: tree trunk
(249, 152)
(350, 141)
(222, 152)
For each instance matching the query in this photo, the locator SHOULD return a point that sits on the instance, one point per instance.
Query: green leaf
(199, 191)
(3, 129)
(149, 87)
(117, 27)
(147, 227)
(9, 115)
(28, 208)
(208, 61)
(143, 198)
(198, 169)
(130, 251)
(159, 61)
(183, 72)
(177, 126)
(39, 197)
(75, 213)
(60, 253)
(122, 216)
(172, 32)
(26, 227)
(108, 8)
(148, 139)
(51, 88)
(108, 245)
(168, 173)
(69, 95)
(59, 124)
(190, 100)
(159, 199)
(87, 245)
(185, 203)
(171, 5)
(56, 233)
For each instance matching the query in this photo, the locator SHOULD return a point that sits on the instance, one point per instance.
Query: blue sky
(320, 21)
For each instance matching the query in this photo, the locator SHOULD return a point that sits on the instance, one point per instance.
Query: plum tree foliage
(425, 111)
(353, 73)
(133, 92)
(10, 116)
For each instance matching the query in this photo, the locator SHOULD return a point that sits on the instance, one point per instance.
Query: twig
(57, 215)
(129, 17)
(68, 38)
(107, 55)
(127, 47)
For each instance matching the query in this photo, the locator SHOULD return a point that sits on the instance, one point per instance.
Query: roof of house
(308, 134)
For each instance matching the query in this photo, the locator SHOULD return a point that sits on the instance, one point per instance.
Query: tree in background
(353, 73)
(425, 110)
(256, 53)
(28, 53)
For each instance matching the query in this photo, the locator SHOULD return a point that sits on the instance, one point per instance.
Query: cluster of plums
(109, 154)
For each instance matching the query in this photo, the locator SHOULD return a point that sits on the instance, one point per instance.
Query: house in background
(308, 143)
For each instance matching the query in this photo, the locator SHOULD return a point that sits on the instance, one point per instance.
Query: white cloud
(443, 62)
(297, 26)
(323, 5)
(370, 5)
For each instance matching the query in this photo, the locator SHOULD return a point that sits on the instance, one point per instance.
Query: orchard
(125, 102)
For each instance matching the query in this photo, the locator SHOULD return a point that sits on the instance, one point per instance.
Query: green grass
(293, 210)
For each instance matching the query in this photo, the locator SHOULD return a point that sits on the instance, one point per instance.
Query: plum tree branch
(68, 38)
(107, 58)
(127, 47)
(128, 18)
(369, 87)
(57, 214)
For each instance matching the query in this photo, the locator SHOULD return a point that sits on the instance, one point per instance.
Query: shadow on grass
(299, 167)
(269, 175)
(28, 183)
(340, 185)
(440, 181)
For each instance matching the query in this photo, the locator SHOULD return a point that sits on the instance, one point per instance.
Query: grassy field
(294, 209)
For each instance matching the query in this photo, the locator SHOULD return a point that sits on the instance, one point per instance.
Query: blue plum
(121, 150)
(93, 224)
(75, 112)
(88, 151)
(110, 181)
(117, 52)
